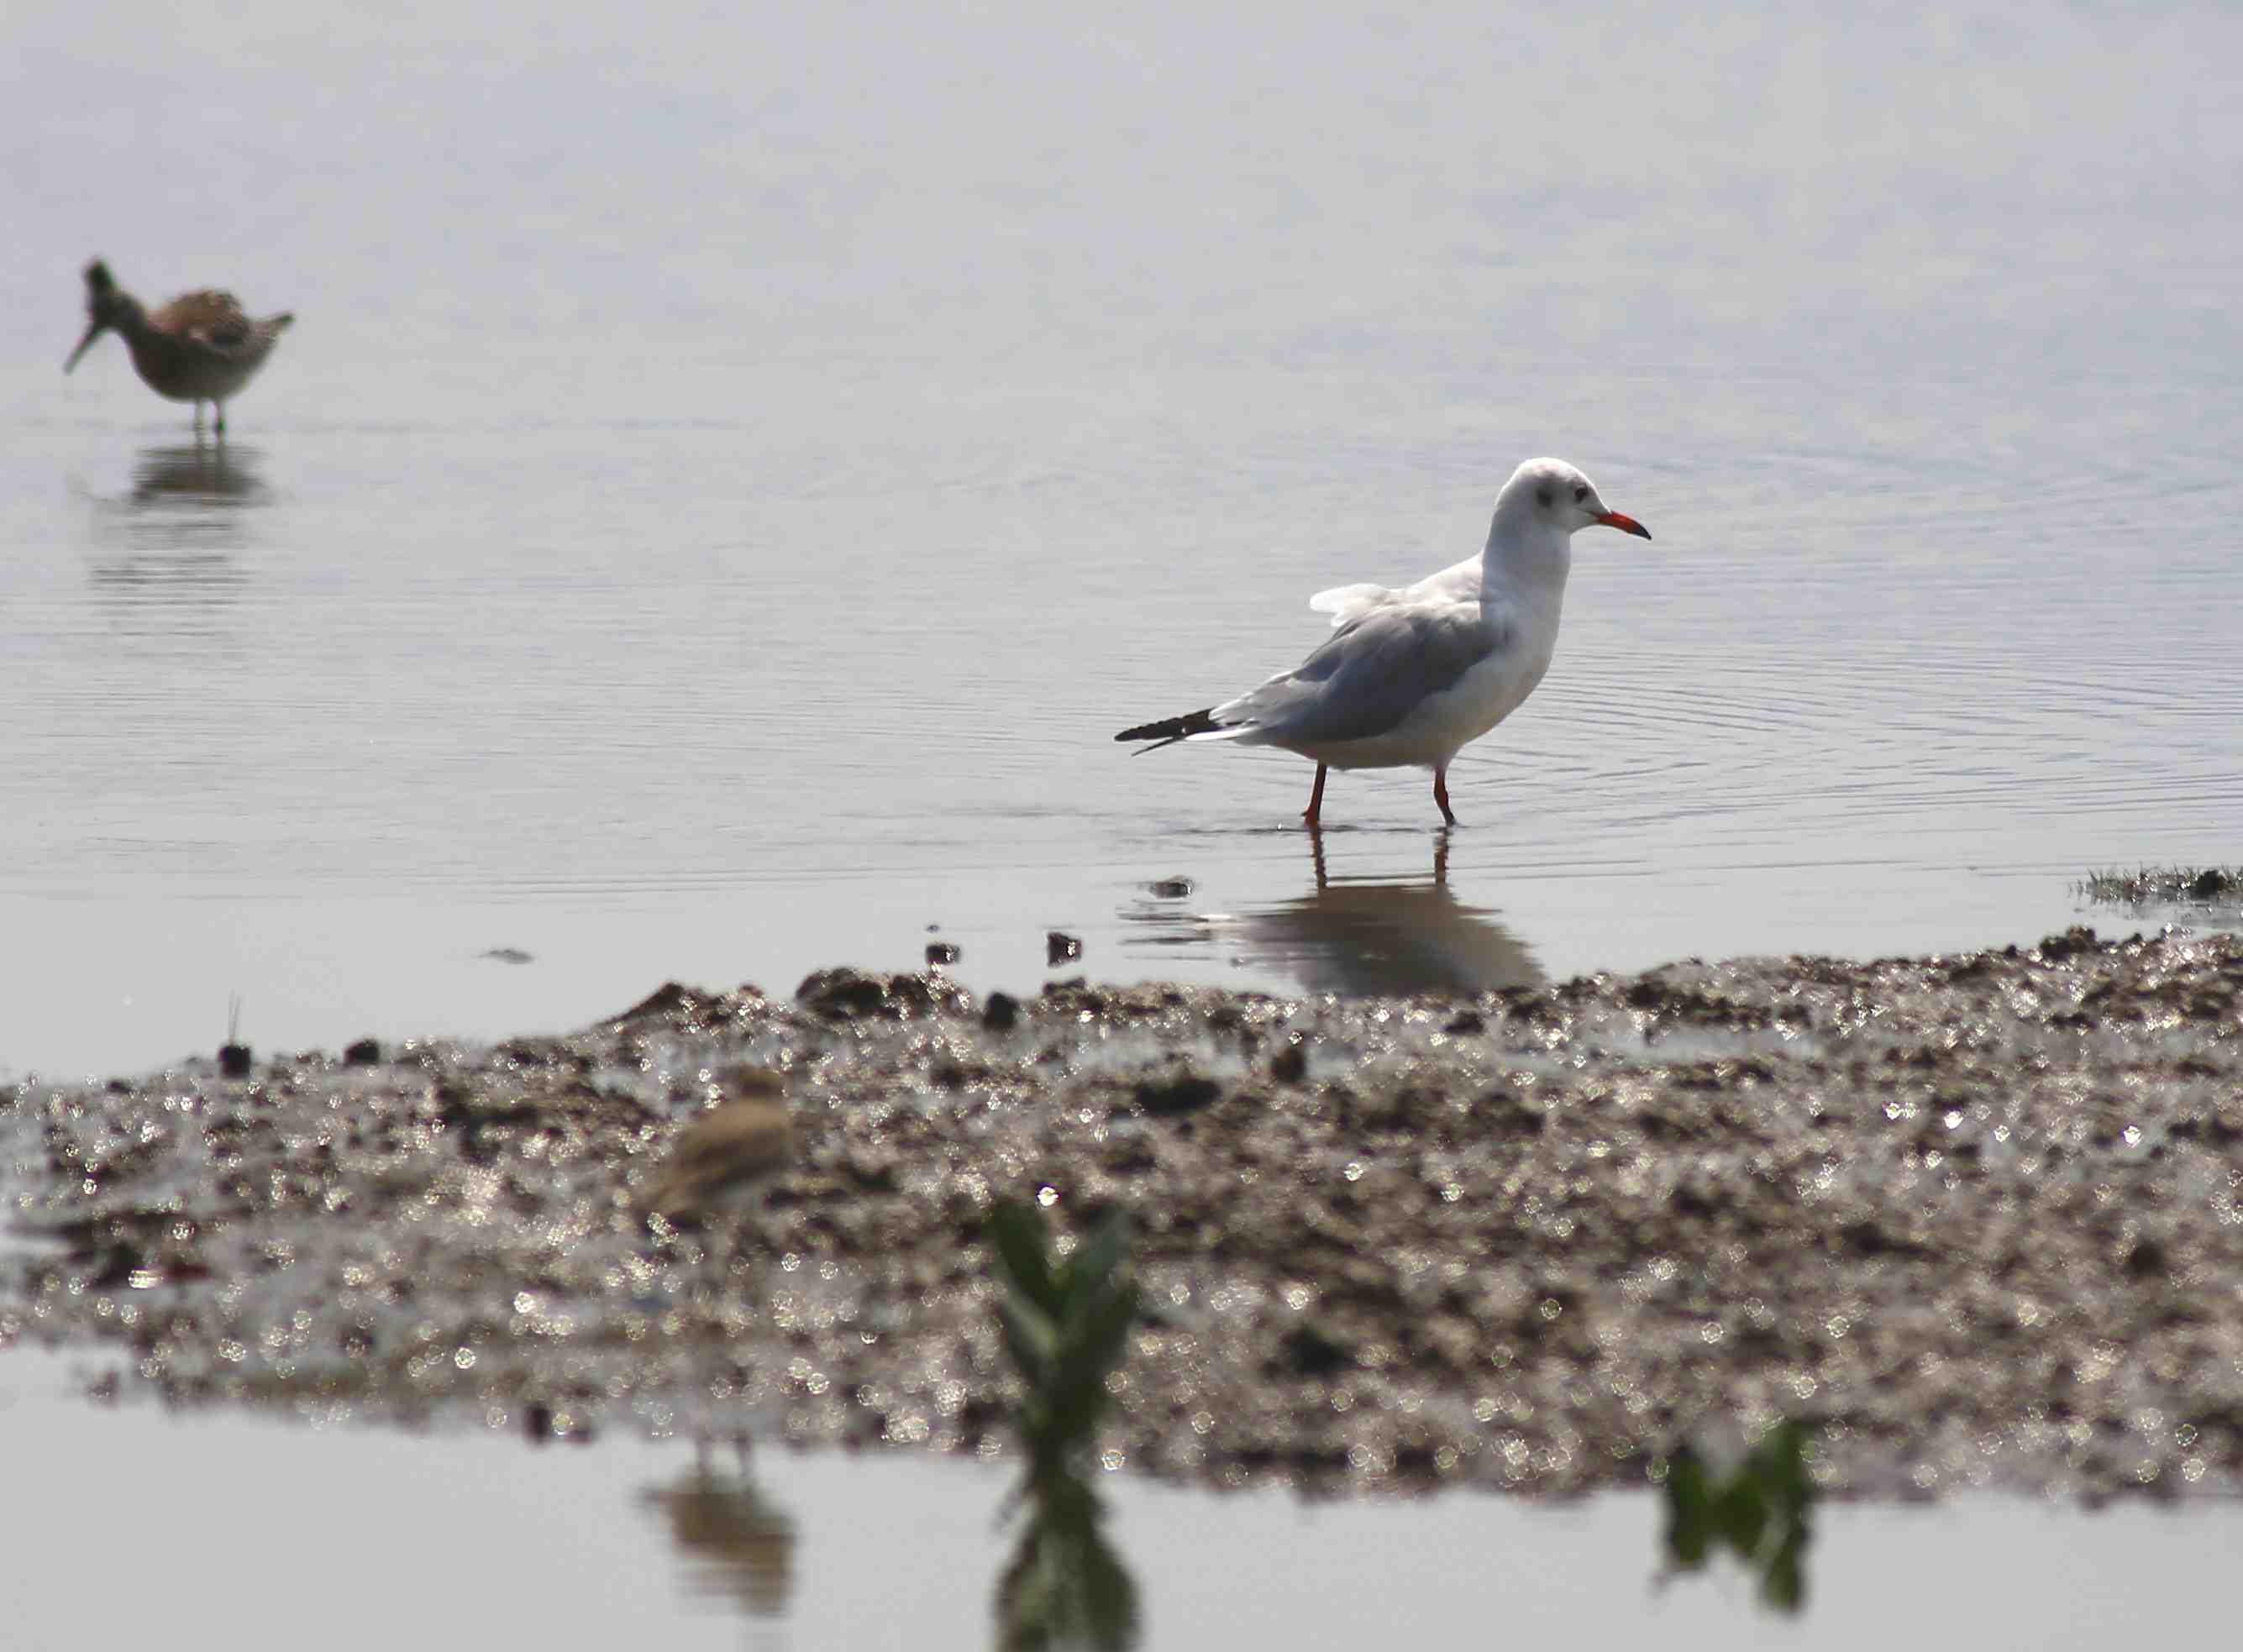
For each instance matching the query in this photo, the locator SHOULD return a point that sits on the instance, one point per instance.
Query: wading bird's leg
(218, 407)
(1315, 798)
(1441, 791)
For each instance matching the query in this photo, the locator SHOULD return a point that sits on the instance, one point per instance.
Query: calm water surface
(731, 477)
(358, 1538)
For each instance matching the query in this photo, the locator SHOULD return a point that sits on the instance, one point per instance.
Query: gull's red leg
(1315, 798)
(1441, 791)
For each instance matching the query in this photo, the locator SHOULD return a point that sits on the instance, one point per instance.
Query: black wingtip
(1168, 730)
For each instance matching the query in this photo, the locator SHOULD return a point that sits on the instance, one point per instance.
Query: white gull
(1412, 676)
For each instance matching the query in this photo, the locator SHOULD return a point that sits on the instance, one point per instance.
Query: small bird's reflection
(182, 578)
(1361, 937)
(735, 1543)
(170, 542)
(207, 474)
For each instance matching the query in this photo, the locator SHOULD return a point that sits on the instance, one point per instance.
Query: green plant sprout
(1065, 1323)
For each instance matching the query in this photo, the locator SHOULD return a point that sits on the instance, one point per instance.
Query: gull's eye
(1581, 495)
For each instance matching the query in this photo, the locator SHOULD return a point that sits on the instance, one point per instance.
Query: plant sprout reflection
(1760, 1512)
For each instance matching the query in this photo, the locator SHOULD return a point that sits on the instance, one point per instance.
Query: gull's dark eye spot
(1581, 495)
(1543, 496)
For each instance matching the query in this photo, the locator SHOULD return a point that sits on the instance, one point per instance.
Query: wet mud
(1972, 1220)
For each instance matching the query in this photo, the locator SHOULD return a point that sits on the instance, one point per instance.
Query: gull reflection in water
(737, 1545)
(1363, 936)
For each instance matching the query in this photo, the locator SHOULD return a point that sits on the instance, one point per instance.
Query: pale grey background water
(731, 475)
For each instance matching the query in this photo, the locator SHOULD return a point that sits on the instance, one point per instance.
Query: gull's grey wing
(1345, 602)
(1373, 673)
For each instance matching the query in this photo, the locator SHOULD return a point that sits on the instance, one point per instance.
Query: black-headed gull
(1412, 676)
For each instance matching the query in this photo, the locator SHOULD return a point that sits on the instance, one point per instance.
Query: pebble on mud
(844, 994)
(1183, 1093)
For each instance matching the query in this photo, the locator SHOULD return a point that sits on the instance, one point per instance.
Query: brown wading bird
(728, 1154)
(721, 1163)
(199, 348)
(1411, 677)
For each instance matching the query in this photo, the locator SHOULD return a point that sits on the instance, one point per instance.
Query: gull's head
(1550, 493)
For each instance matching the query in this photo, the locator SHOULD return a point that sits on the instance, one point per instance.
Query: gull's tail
(1168, 730)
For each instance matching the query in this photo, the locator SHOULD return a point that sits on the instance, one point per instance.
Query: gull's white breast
(1442, 724)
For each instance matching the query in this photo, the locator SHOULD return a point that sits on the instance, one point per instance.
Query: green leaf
(1031, 1337)
(1016, 1231)
(1100, 1254)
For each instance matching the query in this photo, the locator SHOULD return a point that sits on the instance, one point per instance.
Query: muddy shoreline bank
(1977, 1220)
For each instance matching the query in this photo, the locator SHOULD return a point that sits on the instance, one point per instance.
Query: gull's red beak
(1625, 524)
